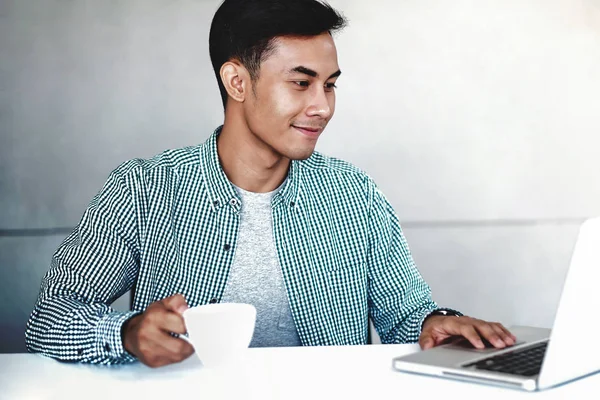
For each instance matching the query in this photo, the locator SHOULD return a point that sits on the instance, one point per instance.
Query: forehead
(315, 52)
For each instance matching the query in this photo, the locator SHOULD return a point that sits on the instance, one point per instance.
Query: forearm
(72, 319)
(70, 330)
(407, 318)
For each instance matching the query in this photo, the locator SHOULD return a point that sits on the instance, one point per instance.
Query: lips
(309, 130)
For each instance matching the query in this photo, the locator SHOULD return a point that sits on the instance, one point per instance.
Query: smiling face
(293, 98)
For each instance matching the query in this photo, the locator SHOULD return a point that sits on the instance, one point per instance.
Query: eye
(302, 84)
(330, 86)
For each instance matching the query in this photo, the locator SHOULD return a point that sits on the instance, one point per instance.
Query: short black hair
(244, 30)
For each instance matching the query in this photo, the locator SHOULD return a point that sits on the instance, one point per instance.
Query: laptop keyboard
(525, 362)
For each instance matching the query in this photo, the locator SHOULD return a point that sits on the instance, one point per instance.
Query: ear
(236, 80)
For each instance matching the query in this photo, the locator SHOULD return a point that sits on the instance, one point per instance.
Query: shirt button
(226, 247)
(216, 203)
(233, 202)
(213, 301)
(292, 203)
(80, 351)
(107, 347)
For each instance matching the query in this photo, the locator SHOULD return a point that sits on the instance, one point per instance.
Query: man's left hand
(438, 328)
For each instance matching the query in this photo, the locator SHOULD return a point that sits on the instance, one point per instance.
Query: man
(252, 215)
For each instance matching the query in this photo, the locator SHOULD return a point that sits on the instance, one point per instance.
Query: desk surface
(348, 372)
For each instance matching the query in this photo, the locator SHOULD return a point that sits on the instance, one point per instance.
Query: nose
(321, 105)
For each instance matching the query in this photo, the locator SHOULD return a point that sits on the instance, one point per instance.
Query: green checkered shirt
(169, 225)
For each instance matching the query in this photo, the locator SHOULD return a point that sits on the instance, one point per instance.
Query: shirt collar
(221, 190)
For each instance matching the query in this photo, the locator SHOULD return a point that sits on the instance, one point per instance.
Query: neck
(248, 162)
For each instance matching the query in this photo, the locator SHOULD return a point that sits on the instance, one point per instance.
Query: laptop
(541, 358)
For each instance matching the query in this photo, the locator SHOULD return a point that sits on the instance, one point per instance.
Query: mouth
(312, 132)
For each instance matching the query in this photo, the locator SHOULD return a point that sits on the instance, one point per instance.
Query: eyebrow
(313, 73)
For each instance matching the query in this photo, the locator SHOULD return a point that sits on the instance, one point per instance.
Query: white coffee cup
(220, 333)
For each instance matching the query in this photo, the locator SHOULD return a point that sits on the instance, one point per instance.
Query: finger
(175, 303)
(154, 362)
(175, 349)
(469, 332)
(150, 347)
(426, 341)
(159, 345)
(158, 361)
(509, 333)
(166, 321)
(486, 331)
(506, 337)
(173, 322)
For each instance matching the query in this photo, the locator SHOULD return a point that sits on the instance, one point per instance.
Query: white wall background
(479, 119)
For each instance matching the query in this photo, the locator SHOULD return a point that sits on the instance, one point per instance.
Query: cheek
(286, 104)
(275, 108)
(267, 111)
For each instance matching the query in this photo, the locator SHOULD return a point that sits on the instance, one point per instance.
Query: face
(294, 95)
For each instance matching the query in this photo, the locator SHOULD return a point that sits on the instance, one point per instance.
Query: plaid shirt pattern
(169, 225)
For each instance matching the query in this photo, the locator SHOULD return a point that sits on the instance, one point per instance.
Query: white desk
(347, 372)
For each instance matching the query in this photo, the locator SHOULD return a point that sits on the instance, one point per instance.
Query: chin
(300, 154)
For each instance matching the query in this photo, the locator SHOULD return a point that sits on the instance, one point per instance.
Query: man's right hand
(148, 336)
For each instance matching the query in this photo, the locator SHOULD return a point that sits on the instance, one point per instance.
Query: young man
(252, 215)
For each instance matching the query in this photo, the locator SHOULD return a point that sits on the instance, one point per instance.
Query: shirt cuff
(108, 337)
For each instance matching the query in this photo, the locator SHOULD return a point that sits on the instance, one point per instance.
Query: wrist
(440, 313)
(127, 330)
(431, 319)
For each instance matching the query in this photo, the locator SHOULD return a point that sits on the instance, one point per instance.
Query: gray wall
(478, 119)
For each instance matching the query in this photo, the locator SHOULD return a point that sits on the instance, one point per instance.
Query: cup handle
(183, 336)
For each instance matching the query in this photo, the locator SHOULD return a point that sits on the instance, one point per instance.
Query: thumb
(176, 303)
(426, 341)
